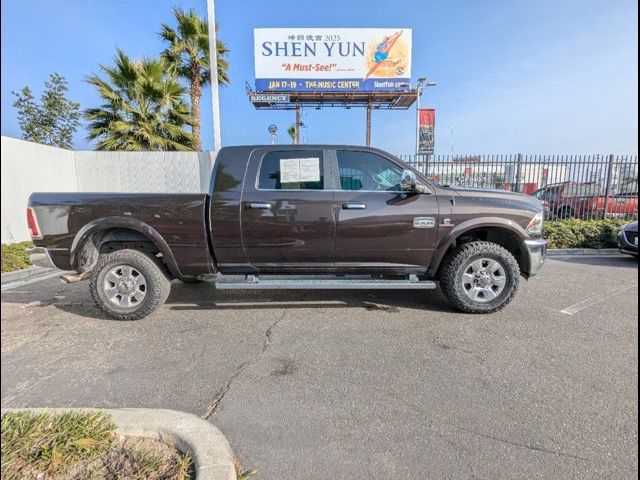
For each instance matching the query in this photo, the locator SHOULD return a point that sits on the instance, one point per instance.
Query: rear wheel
(480, 277)
(128, 284)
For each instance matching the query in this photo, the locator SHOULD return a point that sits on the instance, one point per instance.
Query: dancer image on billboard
(382, 52)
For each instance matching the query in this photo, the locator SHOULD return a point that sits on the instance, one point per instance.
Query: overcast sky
(513, 76)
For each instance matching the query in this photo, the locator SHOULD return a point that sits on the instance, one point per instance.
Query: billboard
(332, 59)
(426, 134)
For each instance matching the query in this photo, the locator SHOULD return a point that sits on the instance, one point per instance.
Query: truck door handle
(260, 206)
(354, 206)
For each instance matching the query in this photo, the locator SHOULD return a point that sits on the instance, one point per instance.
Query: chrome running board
(254, 282)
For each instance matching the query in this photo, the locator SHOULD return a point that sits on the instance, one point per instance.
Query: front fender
(450, 237)
(106, 223)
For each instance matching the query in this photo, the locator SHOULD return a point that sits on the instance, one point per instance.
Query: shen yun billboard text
(338, 59)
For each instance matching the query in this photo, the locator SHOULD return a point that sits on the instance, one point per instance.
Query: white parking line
(577, 307)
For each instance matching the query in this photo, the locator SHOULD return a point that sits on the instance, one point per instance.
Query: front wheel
(480, 277)
(128, 285)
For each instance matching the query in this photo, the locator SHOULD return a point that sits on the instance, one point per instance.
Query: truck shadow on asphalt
(204, 297)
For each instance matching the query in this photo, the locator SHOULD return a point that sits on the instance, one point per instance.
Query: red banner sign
(426, 131)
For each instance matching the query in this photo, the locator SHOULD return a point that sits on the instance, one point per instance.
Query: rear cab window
(291, 170)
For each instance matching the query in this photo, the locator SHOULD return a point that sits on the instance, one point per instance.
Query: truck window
(367, 171)
(292, 170)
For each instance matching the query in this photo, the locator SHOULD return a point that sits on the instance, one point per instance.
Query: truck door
(287, 215)
(380, 228)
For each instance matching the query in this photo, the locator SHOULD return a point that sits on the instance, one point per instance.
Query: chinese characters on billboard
(337, 59)
(426, 134)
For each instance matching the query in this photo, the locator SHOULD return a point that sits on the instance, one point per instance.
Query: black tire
(457, 264)
(157, 283)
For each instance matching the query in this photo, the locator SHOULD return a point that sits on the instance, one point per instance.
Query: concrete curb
(24, 274)
(211, 453)
(41, 274)
(558, 252)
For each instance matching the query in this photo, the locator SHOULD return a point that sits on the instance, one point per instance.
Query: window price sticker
(296, 170)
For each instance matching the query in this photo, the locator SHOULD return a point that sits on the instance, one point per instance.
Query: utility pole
(213, 63)
(451, 139)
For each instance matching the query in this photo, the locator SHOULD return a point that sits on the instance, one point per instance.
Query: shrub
(575, 233)
(15, 256)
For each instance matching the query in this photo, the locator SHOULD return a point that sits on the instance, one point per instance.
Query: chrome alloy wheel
(483, 280)
(124, 286)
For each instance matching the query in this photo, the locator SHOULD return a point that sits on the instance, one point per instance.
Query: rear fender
(106, 223)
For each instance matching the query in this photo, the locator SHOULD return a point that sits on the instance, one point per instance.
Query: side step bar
(254, 282)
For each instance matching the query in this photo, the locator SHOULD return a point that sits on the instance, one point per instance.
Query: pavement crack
(268, 340)
(525, 445)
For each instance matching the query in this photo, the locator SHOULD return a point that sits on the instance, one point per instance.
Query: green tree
(142, 108)
(188, 55)
(51, 121)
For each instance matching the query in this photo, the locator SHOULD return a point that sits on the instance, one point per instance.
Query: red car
(584, 200)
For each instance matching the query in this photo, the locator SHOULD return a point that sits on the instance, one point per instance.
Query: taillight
(32, 221)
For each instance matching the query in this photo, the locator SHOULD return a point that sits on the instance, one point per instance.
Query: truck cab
(349, 215)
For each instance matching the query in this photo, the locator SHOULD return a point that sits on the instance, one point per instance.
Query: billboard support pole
(368, 135)
(213, 62)
(297, 139)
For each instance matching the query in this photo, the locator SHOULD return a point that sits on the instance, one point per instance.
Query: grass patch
(241, 473)
(15, 256)
(575, 233)
(80, 445)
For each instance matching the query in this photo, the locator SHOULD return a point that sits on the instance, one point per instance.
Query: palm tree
(188, 54)
(292, 133)
(143, 107)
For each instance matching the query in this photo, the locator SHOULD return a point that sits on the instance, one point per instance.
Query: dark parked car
(628, 239)
(321, 216)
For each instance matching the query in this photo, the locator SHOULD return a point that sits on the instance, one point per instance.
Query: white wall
(29, 167)
(162, 172)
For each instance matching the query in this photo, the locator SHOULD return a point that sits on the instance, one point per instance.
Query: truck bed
(176, 220)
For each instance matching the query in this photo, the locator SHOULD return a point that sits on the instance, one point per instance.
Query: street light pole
(419, 88)
(273, 131)
(213, 63)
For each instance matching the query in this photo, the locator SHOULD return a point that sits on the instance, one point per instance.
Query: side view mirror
(409, 183)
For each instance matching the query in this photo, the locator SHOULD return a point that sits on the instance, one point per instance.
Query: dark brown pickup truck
(312, 216)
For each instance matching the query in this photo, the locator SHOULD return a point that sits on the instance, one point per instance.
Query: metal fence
(570, 186)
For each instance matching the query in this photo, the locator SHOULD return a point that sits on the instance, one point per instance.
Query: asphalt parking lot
(375, 385)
